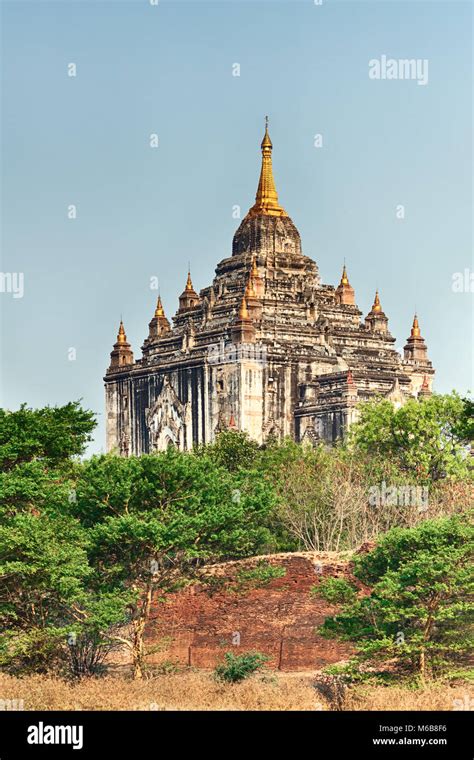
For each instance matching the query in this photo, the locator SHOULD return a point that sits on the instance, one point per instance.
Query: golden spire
(415, 330)
(266, 200)
(266, 142)
(121, 337)
(189, 284)
(345, 294)
(243, 313)
(344, 278)
(122, 353)
(159, 311)
(377, 306)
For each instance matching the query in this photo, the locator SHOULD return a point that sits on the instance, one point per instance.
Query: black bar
(129, 734)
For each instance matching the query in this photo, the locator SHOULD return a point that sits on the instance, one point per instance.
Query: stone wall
(197, 625)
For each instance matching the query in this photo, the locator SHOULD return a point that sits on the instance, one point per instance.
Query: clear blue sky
(145, 212)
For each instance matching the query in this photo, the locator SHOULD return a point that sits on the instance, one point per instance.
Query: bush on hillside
(238, 667)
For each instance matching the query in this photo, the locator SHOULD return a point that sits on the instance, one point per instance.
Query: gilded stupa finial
(189, 283)
(121, 337)
(345, 295)
(266, 142)
(266, 199)
(376, 306)
(159, 311)
(415, 330)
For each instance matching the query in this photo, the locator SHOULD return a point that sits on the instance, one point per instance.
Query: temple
(266, 348)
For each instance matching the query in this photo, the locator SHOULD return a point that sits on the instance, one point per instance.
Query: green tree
(153, 520)
(47, 600)
(420, 608)
(465, 425)
(38, 456)
(424, 436)
(232, 449)
(52, 434)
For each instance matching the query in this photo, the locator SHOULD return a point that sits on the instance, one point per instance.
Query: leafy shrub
(334, 590)
(236, 668)
(37, 650)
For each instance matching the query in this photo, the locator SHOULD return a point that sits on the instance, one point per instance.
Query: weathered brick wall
(199, 624)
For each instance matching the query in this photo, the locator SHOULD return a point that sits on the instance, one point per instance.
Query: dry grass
(439, 697)
(197, 690)
(191, 690)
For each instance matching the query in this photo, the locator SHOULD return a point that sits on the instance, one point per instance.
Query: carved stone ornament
(166, 419)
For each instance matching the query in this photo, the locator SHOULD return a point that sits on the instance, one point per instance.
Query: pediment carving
(167, 418)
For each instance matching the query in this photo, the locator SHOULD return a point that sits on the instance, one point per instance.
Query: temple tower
(265, 348)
